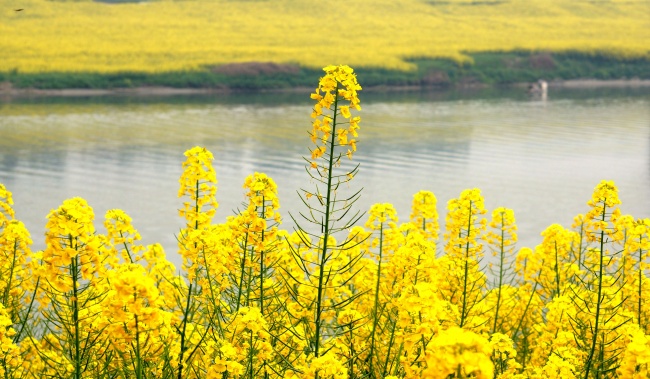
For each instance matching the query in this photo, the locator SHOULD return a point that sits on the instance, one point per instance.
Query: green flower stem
(417, 272)
(464, 311)
(249, 277)
(186, 312)
(23, 322)
(183, 348)
(261, 214)
(243, 273)
(214, 299)
(126, 247)
(391, 340)
(599, 299)
(352, 353)
(640, 285)
(74, 272)
(557, 272)
(375, 308)
(5, 296)
(326, 229)
(502, 254)
(580, 247)
(197, 192)
(138, 353)
(530, 300)
(250, 356)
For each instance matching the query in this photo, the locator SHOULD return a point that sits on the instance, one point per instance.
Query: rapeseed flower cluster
(338, 85)
(425, 214)
(357, 296)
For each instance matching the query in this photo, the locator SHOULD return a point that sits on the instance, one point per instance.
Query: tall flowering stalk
(256, 232)
(196, 241)
(465, 228)
(18, 266)
(199, 183)
(636, 252)
(121, 238)
(263, 195)
(556, 260)
(334, 133)
(598, 295)
(502, 238)
(424, 215)
(253, 290)
(382, 221)
(18, 284)
(138, 325)
(17, 290)
(73, 268)
(137, 320)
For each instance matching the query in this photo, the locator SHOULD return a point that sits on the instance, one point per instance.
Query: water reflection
(540, 158)
(65, 104)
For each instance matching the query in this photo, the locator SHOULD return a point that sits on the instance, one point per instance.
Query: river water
(540, 158)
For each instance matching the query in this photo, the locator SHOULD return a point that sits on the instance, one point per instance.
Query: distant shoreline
(594, 83)
(488, 70)
(139, 91)
(8, 91)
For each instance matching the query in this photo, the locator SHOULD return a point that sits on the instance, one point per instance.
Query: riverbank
(170, 91)
(569, 70)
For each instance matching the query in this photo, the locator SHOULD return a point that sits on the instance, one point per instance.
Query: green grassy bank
(496, 68)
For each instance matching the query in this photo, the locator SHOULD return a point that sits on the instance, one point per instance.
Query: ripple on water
(542, 159)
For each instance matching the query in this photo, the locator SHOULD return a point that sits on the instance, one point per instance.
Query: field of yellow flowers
(344, 295)
(170, 36)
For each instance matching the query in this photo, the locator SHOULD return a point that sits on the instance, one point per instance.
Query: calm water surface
(541, 158)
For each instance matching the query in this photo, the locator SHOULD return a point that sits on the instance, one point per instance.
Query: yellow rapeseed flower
(465, 226)
(6, 201)
(339, 84)
(424, 214)
(71, 235)
(9, 352)
(459, 351)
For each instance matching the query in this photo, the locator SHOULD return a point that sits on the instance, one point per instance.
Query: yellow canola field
(195, 34)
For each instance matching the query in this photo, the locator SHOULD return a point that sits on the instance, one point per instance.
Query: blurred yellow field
(165, 36)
